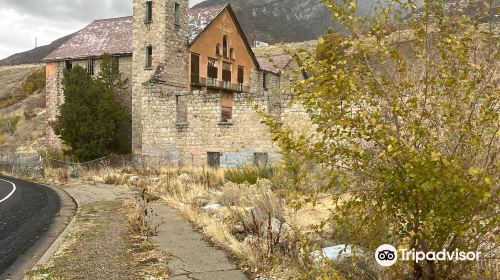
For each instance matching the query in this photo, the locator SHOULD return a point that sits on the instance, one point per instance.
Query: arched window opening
(231, 53)
(217, 50)
(224, 46)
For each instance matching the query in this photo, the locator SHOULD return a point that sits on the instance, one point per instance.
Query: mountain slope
(275, 21)
(35, 55)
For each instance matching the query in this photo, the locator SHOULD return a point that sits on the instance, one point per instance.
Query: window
(68, 65)
(226, 75)
(181, 105)
(90, 66)
(227, 107)
(149, 57)
(213, 159)
(231, 53)
(241, 75)
(260, 159)
(195, 68)
(116, 64)
(264, 80)
(224, 46)
(212, 72)
(177, 13)
(149, 12)
(217, 50)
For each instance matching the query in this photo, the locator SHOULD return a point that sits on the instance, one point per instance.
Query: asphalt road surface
(26, 211)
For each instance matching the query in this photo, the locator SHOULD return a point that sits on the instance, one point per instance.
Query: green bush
(35, 82)
(249, 174)
(9, 124)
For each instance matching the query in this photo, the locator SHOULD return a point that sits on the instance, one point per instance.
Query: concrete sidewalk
(193, 258)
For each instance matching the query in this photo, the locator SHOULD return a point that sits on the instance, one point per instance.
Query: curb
(50, 252)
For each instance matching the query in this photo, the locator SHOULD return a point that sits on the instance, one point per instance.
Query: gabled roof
(200, 19)
(274, 64)
(211, 16)
(113, 36)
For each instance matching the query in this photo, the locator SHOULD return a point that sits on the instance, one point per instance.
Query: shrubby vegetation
(248, 174)
(8, 125)
(91, 120)
(407, 119)
(33, 84)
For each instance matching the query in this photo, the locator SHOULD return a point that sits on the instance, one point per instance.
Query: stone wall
(188, 143)
(169, 41)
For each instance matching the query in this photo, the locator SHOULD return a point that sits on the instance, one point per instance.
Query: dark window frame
(213, 159)
(227, 111)
(149, 57)
(177, 13)
(68, 65)
(195, 68)
(91, 66)
(148, 13)
(225, 46)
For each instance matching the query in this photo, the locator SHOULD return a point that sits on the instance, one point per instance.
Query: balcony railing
(219, 85)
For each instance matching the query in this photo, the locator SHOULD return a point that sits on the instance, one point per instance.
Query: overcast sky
(21, 21)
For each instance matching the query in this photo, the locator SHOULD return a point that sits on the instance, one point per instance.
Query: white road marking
(11, 193)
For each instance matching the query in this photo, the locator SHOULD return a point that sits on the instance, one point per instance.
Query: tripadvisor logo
(387, 255)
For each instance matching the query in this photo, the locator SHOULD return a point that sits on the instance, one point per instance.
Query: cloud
(21, 21)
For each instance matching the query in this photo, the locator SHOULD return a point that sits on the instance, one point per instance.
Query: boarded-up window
(195, 68)
(260, 159)
(148, 18)
(213, 159)
(182, 112)
(227, 107)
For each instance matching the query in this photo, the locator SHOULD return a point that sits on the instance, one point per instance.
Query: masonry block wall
(168, 38)
(201, 131)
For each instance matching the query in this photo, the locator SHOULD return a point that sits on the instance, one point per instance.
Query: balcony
(212, 83)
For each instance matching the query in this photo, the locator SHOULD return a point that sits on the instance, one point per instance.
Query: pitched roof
(200, 18)
(113, 36)
(274, 64)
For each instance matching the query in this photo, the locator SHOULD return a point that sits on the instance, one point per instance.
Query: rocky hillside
(35, 55)
(275, 21)
(29, 110)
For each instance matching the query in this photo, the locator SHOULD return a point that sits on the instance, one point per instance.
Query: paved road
(26, 211)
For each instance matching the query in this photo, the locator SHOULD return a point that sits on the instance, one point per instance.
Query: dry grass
(250, 222)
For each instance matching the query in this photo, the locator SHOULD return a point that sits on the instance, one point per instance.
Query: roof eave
(47, 60)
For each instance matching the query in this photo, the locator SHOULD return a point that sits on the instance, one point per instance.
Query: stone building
(193, 82)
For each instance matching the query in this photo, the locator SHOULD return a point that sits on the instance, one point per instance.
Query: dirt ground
(101, 247)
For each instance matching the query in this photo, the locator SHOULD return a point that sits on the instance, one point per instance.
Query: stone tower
(160, 59)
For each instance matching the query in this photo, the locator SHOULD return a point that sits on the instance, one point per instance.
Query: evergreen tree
(91, 119)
